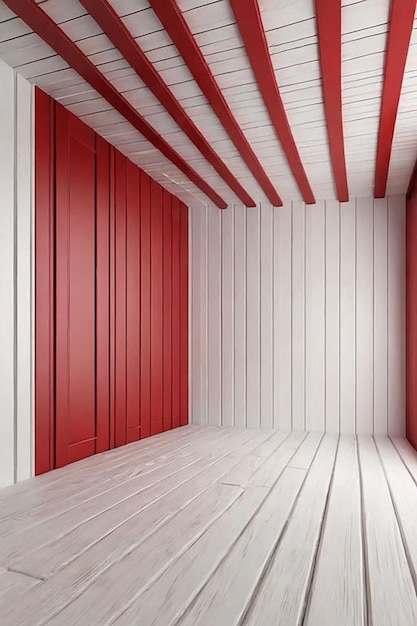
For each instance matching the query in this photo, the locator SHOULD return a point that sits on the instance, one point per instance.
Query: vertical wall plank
(298, 316)
(282, 292)
(132, 304)
(176, 320)
(380, 329)
(347, 317)
(227, 302)
(240, 316)
(145, 309)
(156, 308)
(315, 314)
(184, 314)
(214, 317)
(112, 296)
(364, 316)
(396, 315)
(332, 313)
(167, 310)
(253, 330)
(266, 306)
(102, 294)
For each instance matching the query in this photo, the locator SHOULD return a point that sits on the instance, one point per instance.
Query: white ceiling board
(61, 11)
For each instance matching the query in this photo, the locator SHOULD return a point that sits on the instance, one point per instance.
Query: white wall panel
(16, 293)
(306, 328)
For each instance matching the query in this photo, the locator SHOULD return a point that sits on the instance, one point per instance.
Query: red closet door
(75, 290)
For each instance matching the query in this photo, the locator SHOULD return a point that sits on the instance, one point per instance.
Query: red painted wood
(112, 298)
(183, 314)
(176, 315)
(249, 21)
(44, 276)
(120, 299)
(329, 24)
(145, 306)
(177, 28)
(55, 37)
(167, 310)
(411, 314)
(133, 303)
(75, 289)
(119, 35)
(400, 29)
(156, 308)
(102, 294)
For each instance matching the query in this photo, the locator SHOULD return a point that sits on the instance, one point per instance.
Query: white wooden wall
(297, 316)
(16, 277)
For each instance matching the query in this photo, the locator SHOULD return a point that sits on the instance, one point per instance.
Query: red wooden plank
(119, 35)
(145, 309)
(400, 29)
(102, 294)
(329, 24)
(156, 308)
(46, 28)
(75, 289)
(120, 299)
(177, 28)
(249, 21)
(183, 314)
(167, 311)
(112, 297)
(411, 312)
(176, 319)
(133, 303)
(44, 276)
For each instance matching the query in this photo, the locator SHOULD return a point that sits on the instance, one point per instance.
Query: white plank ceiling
(291, 32)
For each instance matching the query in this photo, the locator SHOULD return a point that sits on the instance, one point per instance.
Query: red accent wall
(411, 312)
(111, 295)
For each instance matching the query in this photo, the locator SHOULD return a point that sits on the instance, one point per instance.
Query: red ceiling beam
(119, 35)
(177, 28)
(329, 26)
(249, 21)
(401, 26)
(46, 28)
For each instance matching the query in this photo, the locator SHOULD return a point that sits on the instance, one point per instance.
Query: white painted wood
(340, 567)
(240, 319)
(16, 262)
(364, 316)
(305, 454)
(227, 317)
(332, 316)
(271, 469)
(266, 316)
(282, 306)
(396, 315)
(315, 343)
(281, 595)
(347, 317)
(214, 254)
(298, 315)
(392, 594)
(380, 332)
(253, 328)
(13, 584)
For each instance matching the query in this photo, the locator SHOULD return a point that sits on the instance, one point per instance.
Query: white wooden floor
(217, 527)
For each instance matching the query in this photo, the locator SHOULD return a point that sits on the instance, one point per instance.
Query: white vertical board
(332, 316)
(396, 315)
(282, 289)
(315, 321)
(16, 263)
(240, 316)
(214, 251)
(253, 330)
(364, 316)
(298, 316)
(380, 329)
(347, 317)
(203, 276)
(267, 352)
(227, 304)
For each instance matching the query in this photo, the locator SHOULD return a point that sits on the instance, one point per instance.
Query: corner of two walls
(411, 279)
(16, 277)
(298, 316)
